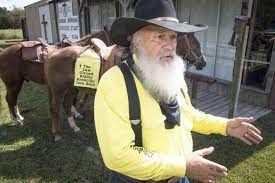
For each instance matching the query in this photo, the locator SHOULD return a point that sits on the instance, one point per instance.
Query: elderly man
(143, 114)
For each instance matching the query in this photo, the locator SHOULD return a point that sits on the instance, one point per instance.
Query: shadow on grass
(230, 151)
(29, 154)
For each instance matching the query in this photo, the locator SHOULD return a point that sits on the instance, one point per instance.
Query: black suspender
(133, 99)
(171, 111)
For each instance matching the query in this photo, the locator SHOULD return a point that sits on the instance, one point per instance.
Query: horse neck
(84, 41)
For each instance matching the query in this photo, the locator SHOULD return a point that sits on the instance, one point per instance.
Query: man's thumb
(205, 151)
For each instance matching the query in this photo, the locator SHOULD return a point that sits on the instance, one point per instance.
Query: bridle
(191, 51)
(106, 34)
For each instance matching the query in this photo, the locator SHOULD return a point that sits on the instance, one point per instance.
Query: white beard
(161, 79)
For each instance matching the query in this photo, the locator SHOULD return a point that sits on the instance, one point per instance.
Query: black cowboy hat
(150, 12)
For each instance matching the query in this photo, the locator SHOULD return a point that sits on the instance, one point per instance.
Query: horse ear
(105, 28)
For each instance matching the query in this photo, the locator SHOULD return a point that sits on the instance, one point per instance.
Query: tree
(11, 19)
(4, 20)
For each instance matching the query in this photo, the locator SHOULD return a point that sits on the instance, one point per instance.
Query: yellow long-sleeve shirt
(164, 152)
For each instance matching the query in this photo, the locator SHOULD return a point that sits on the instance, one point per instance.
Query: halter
(109, 41)
(190, 51)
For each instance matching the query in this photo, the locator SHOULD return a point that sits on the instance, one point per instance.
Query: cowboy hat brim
(124, 26)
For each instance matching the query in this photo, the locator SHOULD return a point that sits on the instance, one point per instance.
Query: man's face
(158, 43)
(158, 67)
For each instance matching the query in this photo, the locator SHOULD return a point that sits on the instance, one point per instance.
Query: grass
(28, 154)
(11, 34)
(9, 37)
(6, 43)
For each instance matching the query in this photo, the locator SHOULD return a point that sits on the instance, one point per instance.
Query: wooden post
(44, 22)
(194, 92)
(80, 8)
(56, 20)
(250, 39)
(241, 29)
(272, 97)
(270, 72)
(125, 4)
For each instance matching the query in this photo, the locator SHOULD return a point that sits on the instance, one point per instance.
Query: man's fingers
(205, 151)
(254, 129)
(252, 138)
(255, 135)
(242, 119)
(211, 178)
(245, 140)
(217, 167)
(207, 181)
(217, 174)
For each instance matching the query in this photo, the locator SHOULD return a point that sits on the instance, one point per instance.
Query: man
(161, 150)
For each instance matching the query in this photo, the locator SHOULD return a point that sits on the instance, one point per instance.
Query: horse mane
(84, 38)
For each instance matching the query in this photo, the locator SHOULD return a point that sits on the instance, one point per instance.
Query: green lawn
(11, 34)
(9, 37)
(6, 43)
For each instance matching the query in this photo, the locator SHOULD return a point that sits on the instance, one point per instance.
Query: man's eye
(160, 36)
(174, 36)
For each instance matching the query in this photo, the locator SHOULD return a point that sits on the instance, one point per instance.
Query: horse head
(103, 35)
(189, 49)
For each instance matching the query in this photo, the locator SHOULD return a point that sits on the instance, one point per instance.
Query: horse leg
(54, 104)
(68, 105)
(76, 114)
(83, 99)
(11, 98)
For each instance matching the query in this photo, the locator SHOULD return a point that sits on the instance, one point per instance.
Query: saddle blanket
(87, 69)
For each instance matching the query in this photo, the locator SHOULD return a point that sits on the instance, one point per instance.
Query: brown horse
(59, 71)
(14, 70)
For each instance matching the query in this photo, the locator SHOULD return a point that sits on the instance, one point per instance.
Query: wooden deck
(212, 103)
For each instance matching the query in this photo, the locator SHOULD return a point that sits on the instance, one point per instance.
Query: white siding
(220, 56)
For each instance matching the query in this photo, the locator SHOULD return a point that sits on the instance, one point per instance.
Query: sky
(17, 3)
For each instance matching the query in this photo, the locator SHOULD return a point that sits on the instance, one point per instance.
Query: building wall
(54, 23)
(101, 14)
(33, 21)
(32, 18)
(214, 41)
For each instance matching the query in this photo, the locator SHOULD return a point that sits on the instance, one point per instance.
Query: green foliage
(11, 19)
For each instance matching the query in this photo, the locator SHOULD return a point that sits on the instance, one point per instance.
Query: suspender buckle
(135, 121)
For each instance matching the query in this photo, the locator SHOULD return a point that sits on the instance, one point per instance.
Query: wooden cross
(64, 10)
(44, 22)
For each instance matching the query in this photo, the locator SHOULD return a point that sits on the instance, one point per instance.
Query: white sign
(67, 23)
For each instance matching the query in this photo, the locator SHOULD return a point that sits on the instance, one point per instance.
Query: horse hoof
(21, 118)
(79, 116)
(76, 129)
(18, 123)
(57, 138)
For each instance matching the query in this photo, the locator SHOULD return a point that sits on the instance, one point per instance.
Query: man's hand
(201, 169)
(242, 129)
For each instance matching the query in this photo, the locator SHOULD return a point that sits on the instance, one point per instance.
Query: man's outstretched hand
(242, 129)
(203, 170)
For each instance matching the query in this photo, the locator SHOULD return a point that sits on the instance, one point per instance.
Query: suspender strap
(134, 104)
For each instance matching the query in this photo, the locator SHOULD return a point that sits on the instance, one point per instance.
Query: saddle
(107, 54)
(34, 51)
(100, 47)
